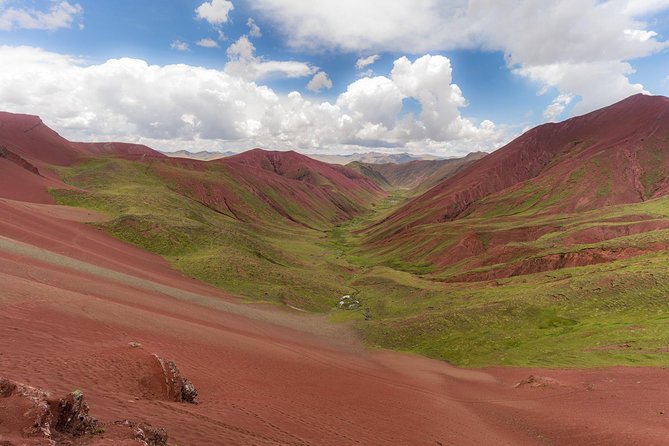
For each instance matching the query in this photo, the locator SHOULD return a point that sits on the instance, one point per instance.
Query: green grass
(275, 263)
(614, 313)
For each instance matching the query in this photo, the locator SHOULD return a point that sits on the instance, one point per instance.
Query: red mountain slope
(261, 186)
(610, 156)
(545, 201)
(416, 174)
(28, 137)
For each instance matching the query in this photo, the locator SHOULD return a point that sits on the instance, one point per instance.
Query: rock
(72, 416)
(348, 303)
(6, 388)
(34, 421)
(188, 392)
(66, 421)
(149, 435)
(538, 381)
(179, 389)
(134, 344)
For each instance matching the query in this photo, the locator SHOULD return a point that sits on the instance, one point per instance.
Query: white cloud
(61, 15)
(563, 45)
(254, 29)
(215, 12)
(366, 61)
(207, 43)
(429, 80)
(639, 8)
(557, 107)
(319, 82)
(243, 62)
(176, 106)
(179, 45)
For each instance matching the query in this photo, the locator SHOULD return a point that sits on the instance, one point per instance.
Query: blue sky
(444, 76)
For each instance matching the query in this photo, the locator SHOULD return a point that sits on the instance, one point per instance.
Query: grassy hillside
(426, 300)
(277, 262)
(610, 313)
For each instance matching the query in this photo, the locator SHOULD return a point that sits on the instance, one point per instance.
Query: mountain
(536, 186)
(28, 137)
(415, 174)
(371, 158)
(259, 185)
(126, 150)
(203, 155)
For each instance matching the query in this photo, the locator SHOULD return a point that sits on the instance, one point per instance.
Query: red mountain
(529, 206)
(610, 156)
(28, 137)
(257, 185)
(126, 150)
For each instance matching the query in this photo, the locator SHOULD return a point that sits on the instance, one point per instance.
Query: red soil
(268, 383)
(601, 233)
(551, 262)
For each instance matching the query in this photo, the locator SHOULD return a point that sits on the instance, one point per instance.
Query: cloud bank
(181, 106)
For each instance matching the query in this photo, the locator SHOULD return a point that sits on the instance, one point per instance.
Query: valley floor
(73, 299)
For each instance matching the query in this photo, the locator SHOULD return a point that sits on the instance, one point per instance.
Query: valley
(535, 272)
(553, 285)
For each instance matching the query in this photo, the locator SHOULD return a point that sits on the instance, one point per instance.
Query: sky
(443, 77)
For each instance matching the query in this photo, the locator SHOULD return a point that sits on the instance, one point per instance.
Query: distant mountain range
(368, 158)
(372, 158)
(203, 155)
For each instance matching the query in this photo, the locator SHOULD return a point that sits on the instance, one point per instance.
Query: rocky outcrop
(179, 389)
(145, 433)
(31, 416)
(16, 159)
(71, 415)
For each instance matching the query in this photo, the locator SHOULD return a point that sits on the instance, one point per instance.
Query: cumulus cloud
(60, 15)
(557, 107)
(215, 12)
(254, 29)
(363, 62)
(207, 43)
(179, 45)
(319, 82)
(243, 62)
(172, 106)
(564, 46)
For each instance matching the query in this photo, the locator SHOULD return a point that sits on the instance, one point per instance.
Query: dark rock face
(6, 388)
(188, 392)
(31, 417)
(72, 416)
(146, 433)
(179, 389)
